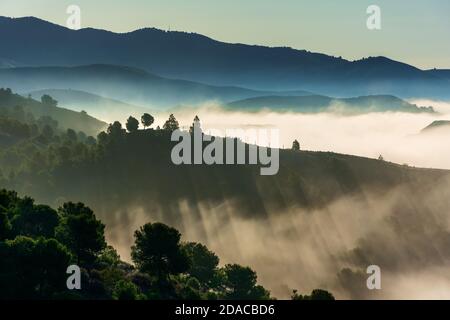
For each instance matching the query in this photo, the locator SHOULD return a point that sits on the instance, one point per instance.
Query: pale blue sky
(416, 32)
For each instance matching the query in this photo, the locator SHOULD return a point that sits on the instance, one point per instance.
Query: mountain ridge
(320, 103)
(194, 57)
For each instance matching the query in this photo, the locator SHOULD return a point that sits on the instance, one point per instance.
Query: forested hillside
(27, 110)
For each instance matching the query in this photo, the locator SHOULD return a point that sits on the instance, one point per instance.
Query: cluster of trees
(27, 141)
(147, 120)
(38, 243)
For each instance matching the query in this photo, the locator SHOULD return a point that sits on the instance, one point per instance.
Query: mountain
(67, 119)
(33, 42)
(123, 83)
(443, 73)
(316, 103)
(437, 125)
(95, 105)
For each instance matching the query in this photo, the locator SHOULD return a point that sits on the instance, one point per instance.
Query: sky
(415, 32)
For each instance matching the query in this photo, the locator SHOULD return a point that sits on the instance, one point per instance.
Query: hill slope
(66, 118)
(95, 105)
(343, 211)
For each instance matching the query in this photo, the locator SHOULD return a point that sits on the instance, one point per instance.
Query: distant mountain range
(316, 103)
(179, 55)
(127, 84)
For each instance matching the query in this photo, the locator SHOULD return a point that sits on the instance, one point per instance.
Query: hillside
(315, 103)
(34, 42)
(127, 162)
(379, 211)
(66, 118)
(444, 74)
(95, 105)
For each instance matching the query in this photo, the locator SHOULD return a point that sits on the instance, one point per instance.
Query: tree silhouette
(157, 250)
(81, 232)
(147, 120)
(203, 263)
(296, 145)
(241, 284)
(32, 269)
(132, 124)
(49, 101)
(171, 124)
(115, 130)
(316, 294)
(34, 221)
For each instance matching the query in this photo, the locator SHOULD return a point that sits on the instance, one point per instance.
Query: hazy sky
(416, 32)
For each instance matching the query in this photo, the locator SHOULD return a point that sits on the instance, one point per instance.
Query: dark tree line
(38, 243)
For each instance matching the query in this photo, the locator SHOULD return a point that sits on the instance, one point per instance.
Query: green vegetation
(120, 169)
(317, 294)
(27, 110)
(37, 244)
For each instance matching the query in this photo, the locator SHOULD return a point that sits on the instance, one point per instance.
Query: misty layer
(394, 135)
(405, 231)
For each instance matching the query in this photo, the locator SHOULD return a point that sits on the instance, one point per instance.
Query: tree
(157, 251)
(5, 226)
(81, 232)
(71, 135)
(47, 132)
(203, 263)
(241, 284)
(49, 101)
(125, 290)
(171, 124)
(147, 120)
(47, 121)
(132, 124)
(115, 129)
(316, 294)
(34, 220)
(32, 268)
(296, 145)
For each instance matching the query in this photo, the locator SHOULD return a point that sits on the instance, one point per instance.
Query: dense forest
(128, 166)
(38, 243)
